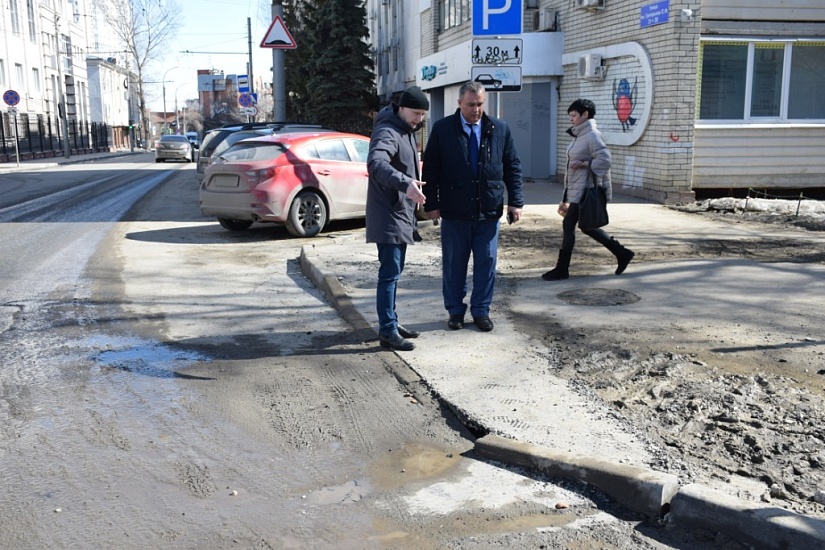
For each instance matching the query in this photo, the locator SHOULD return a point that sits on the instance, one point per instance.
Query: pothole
(598, 297)
(143, 357)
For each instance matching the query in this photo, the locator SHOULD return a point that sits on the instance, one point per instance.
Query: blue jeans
(459, 239)
(391, 259)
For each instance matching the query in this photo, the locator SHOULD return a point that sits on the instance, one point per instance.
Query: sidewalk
(50, 162)
(501, 383)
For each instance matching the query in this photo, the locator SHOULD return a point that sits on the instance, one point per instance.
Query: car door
(341, 171)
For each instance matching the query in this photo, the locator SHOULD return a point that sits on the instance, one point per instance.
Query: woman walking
(588, 152)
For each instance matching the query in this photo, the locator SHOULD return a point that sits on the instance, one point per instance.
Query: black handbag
(593, 206)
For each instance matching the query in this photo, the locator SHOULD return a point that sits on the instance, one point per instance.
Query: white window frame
(747, 118)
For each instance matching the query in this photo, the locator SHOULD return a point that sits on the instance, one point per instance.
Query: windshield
(235, 137)
(254, 151)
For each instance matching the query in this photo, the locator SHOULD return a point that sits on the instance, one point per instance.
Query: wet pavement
(498, 382)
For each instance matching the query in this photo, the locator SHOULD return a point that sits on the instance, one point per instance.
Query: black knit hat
(414, 98)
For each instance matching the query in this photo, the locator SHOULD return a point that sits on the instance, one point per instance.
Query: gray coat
(392, 165)
(589, 145)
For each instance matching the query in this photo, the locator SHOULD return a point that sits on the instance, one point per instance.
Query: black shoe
(407, 333)
(556, 274)
(624, 257)
(396, 342)
(483, 323)
(456, 322)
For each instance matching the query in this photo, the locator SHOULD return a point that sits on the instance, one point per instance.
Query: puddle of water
(139, 356)
(412, 462)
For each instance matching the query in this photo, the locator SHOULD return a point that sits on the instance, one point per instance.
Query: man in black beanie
(393, 192)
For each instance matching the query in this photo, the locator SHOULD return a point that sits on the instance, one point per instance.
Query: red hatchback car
(302, 180)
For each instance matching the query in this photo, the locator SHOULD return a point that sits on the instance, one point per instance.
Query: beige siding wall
(764, 10)
(657, 166)
(759, 156)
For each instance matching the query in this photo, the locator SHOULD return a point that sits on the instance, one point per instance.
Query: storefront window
(740, 80)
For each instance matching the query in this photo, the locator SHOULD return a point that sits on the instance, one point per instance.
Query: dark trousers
(569, 227)
(460, 239)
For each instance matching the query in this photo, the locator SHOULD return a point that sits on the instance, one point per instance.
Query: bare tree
(144, 26)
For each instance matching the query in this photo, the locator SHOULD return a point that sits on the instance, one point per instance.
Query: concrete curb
(763, 526)
(644, 491)
(337, 296)
(638, 489)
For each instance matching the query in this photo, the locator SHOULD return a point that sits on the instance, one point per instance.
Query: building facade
(690, 96)
(44, 74)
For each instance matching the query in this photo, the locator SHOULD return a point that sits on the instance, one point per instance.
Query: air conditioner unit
(590, 4)
(547, 19)
(590, 67)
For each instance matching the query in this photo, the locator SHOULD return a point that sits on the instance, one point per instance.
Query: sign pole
(13, 111)
(64, 116)
(278, 84)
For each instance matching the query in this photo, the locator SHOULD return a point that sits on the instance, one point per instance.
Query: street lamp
(64, 116)
(165, 118)
(177, 117)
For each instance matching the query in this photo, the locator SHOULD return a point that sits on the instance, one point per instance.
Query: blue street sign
(11, 98)
(497, 17)
(654, 14)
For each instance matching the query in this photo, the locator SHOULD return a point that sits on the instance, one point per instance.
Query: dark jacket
(392, 165)
(451, 185)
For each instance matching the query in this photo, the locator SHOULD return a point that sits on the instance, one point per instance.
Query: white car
(174, 147)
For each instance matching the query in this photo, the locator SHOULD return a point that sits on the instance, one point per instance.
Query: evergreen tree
(330, 74)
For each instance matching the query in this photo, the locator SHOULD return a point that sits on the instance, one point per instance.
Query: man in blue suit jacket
(469, 161)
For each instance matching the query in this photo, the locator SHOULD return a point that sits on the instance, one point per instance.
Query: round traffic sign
(246, 100)
(11, 97)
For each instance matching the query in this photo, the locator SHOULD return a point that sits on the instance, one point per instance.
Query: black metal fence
(41, 136)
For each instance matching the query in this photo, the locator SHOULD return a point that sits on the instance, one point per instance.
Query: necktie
(473, 148)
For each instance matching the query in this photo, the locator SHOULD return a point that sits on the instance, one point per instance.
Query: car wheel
(497, 84)
(235, 225)
(158, 160)
(307, 215)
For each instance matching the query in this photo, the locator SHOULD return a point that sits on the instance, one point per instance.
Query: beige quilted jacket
(587, 145)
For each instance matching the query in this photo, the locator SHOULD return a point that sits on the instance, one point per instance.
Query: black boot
(623, 255)
(561, 271)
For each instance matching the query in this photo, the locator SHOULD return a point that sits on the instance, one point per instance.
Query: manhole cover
(598, 297)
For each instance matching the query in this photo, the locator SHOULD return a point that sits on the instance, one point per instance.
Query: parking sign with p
(497, 17)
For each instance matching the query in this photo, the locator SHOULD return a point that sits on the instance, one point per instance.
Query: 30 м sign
(497, 17)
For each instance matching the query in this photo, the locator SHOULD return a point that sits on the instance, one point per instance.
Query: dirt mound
(737, 421)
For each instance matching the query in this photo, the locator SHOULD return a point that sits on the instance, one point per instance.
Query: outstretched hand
(414, 192)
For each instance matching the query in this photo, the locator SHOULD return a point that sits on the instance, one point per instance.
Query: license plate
(224, 180)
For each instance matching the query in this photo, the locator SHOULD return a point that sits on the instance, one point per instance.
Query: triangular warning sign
(277, 36)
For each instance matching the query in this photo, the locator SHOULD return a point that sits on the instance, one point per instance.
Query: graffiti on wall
(623, 101)
(624, 93)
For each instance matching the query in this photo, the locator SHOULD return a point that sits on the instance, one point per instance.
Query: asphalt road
(166, 383)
